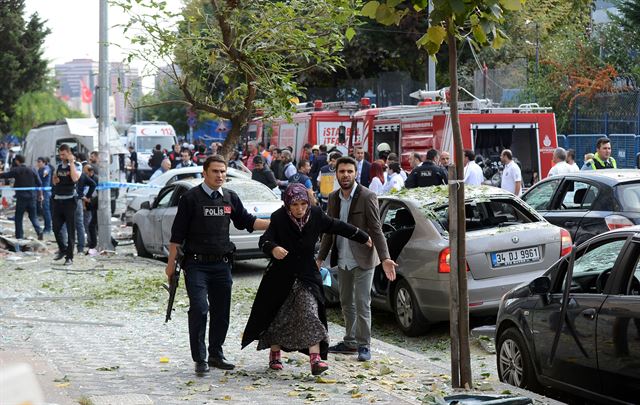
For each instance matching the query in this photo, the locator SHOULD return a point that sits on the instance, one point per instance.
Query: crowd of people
(63, 195)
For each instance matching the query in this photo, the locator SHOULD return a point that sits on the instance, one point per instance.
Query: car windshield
(487, 214)
(145, 144)
(629, 197)
(251, 191)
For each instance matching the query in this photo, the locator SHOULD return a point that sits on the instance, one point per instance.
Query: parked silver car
(152, 223)
(136, 196)
(508, 243)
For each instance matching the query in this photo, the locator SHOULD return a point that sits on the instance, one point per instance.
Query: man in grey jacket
(358, 206)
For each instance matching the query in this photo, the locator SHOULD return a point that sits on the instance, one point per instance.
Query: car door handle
(569, 223)
(590, 314)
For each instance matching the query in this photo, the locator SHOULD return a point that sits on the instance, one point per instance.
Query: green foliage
(22, 67)
(162, 105)
(475, 20)
(629, 14)
(35, 108)
(236, 57)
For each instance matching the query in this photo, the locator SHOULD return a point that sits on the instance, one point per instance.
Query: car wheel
(139, 244)
(514, 363)
(407, 312)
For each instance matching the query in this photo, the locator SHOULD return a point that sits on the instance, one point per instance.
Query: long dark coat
(300, 264)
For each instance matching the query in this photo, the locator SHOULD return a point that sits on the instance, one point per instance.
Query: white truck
(144, 136)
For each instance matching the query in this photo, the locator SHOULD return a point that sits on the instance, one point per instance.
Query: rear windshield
(253, 191)
(629, 197)
(488, 214)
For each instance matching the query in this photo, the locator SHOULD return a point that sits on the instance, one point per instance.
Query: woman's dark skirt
(296, 326)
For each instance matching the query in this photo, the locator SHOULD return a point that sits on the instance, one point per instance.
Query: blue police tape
(101, 186)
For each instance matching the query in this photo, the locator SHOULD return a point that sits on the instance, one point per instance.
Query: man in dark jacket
(319, 162)
(363, 176)
(262, 173)
(428, 173)
(25, 199)
(276, 164)
(155, 161)
(357, 206)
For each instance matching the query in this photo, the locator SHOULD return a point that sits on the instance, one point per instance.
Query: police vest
(428, 175)
(209, 227)
(598, 163)
(298, 178)
(65, 186)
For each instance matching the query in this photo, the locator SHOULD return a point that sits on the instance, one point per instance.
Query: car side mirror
(540, 286)
(146, 205)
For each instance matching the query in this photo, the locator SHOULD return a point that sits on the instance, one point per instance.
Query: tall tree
(451, 21)
(237, 56)
(22, 67)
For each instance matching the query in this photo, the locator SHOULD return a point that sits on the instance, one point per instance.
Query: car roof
(610, 177)
(439, 195)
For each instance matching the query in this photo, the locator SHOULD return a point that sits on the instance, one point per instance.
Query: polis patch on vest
(217, 211)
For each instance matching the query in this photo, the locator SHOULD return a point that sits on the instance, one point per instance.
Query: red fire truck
(528, 130)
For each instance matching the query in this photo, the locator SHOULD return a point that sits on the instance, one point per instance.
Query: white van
(144, 136)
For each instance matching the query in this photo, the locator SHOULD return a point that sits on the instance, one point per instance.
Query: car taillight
(617, 221)
(444, 261)
(565, 242)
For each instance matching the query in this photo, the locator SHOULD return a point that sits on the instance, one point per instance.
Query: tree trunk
(457, 243)
(233, 136)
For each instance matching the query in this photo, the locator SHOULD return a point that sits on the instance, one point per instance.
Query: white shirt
(376, 186)
(359, 164)
(562, 168)
(574, 167)
(473, 174)
(395, 183)
(510, 175)
(290, 170)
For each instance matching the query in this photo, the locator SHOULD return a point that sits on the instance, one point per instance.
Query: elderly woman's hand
(369, 242)
(279, 253)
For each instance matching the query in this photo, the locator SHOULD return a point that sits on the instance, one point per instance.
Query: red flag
(86, 94)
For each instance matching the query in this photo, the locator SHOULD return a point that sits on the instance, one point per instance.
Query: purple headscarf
(297, 192)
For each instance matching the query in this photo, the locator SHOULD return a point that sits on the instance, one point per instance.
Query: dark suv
(588, 203)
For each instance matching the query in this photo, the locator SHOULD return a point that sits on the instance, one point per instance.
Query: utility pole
(104, 194)
(537, 48)
(431, 63)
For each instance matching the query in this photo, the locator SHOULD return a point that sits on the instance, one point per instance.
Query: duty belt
(209, 258)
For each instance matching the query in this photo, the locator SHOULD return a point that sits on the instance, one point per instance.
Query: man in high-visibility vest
(602, 158)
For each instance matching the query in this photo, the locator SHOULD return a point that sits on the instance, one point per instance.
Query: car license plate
(517, 256)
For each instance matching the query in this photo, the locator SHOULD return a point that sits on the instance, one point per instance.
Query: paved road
(96, 332)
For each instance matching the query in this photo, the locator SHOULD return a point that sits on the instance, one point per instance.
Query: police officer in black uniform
(201, 225)
(428, 173)
(63, 210)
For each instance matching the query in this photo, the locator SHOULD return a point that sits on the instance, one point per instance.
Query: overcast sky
(74, 28)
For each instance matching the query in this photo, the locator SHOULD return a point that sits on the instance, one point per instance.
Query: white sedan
(148, 191)
(152, 223)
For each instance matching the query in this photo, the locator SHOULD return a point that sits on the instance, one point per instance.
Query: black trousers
(209, 289)
(64, 212)
(92, 232)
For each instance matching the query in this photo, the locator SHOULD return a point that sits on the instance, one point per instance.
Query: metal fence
(615, 113)
(389, 88)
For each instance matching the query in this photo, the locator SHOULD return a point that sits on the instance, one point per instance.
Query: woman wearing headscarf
(288, 312)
